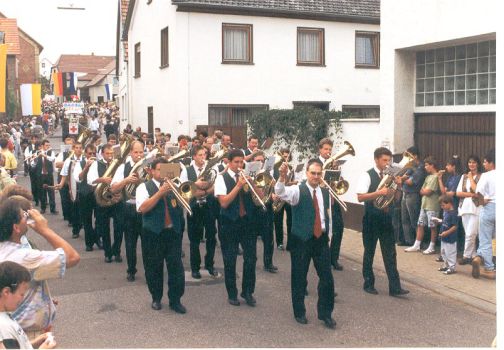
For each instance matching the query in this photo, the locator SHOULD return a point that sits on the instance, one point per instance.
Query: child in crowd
(14, 282)
(429, 207)
(448, 235)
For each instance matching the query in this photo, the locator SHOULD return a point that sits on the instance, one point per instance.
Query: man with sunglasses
(311, 207)
(87, 202)
(36, 313)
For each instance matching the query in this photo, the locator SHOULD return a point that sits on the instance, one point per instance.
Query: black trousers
(66, 203)
(337, 233)
(34, 184)
(103, 216)
(158, 249)
(263, 224)
(203, 219)
(44, 193)
(87, 204)
(232, 234)
(76, 218)
(379, 228)
(278, 219)
(301, 255)
(132, 231)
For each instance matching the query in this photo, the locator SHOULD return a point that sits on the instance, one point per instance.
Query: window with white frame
(367, 49)
(456, 75)
(237, 43)
(310, 47)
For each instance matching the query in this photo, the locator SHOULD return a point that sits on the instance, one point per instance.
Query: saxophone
(103, 193)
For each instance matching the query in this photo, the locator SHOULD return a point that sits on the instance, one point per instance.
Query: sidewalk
(421, 270)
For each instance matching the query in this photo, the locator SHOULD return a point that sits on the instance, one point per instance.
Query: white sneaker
(413, 248)
(429, 251)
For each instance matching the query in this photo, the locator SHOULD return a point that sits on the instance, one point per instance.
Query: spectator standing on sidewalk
(429, 207)
(448, 235)
(468, 211)
(485, 192)
(10, 160)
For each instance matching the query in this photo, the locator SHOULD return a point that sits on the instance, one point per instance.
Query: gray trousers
(410, 209)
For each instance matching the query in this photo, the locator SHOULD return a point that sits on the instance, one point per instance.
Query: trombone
(333, 194)
(178, 195)
(252, 190)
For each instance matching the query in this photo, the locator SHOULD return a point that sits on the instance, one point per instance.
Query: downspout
(188, 77)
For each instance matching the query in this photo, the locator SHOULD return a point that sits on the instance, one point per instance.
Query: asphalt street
(99, 308)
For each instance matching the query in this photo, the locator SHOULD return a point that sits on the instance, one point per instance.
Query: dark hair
(234, 154)
(12, 275)
(432, 161)
(168, 134)
(455, 162)
(313, 161)
(158, 161)
(112, 137)
(3, 143)
(90, 147)
(253, 137)
(444, 198)
(195, 138)
(203, 133)
(44, 141)
(257, 154)
(180, 137)
(106, 147)
(490, 156)
(10, 214)
(149, 142)
(382, 151)
(197, 148)
(477, 160)
(414, 151)
(325, 141)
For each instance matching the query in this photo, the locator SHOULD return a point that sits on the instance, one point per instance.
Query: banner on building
(107, 91)
(73, 107)
(3, 75)
(57, 79)
(31, 99)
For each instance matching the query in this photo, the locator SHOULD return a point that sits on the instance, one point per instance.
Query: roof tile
(10, 28)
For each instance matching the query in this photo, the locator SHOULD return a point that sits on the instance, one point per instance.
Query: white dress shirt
(66, 165)
(486, 185)
(92, 175)
(183, 173)
(365, 182)
(119, 176)
(467, 206)
(94, 125)
(220, 185)
(290, 194)
(142, 195)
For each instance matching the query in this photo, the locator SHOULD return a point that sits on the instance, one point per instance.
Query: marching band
(220, 191)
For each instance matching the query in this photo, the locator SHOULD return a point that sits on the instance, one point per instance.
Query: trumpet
(180, 195)
(333, 194)
(258, 199)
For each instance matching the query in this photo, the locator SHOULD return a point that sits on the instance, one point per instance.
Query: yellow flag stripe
(3, 73)
(36, 99)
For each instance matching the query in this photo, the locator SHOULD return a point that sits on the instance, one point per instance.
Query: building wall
(437, 23)
(99, 90)
(28, 62)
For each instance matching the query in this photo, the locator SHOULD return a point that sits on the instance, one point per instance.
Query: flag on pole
(57, 79)
(31, 99)
(72, 78)
(107, 91)
(3, 75)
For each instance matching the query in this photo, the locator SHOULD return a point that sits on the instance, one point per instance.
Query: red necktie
(317, 226)
(167, 221)
(243, 212)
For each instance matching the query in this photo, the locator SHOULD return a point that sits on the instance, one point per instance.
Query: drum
(72, 184)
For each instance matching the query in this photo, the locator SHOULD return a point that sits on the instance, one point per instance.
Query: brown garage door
(443, 135)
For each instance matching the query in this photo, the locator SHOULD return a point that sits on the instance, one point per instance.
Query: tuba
(84, 138)
(406, 163)
(140, 169)
(103, 194)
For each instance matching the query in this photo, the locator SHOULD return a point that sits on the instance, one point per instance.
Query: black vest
(232, 212)
(154, 219)
(303, 214)
(49, 165)
(370, 209)
(83, 188)
(127, 171)
(102, 167)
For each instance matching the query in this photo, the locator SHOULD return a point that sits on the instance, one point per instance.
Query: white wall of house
(436, 23)
(122, 99)
(180, 94)
(99, 89)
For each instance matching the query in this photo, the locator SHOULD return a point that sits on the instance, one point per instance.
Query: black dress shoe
(89, 248)
(42, 211)
(301, 319)
(178, 308)
(370, 290)
(271, 269)
(234, 302)
(196, 275)
(329, 322)
(108, 259)
(54, 212)
(399, 292)
(70, 224)
(337, 266)
(75, 235)
(156, 305)
(249, 299)
(99, 244)
(118, 259)
(130, 277)
(212, 271)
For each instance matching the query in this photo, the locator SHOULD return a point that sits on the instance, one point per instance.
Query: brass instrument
(266, 183)
(255, 197)
(103, 192)
(140, 169)
(183, 194)
(182, 154)
(279, 203)
(84, 138)
(384, 201)
(338, 187)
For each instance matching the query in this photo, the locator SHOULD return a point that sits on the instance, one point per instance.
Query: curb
(455, 294)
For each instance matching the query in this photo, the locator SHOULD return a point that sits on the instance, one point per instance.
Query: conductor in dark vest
(377, 225)
(311, 207)
(161, 238)
(235, 228)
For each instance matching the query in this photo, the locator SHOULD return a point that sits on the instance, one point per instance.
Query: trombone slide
(254, 193)
(179, 197)
(333, 194)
